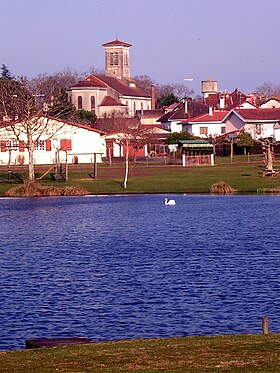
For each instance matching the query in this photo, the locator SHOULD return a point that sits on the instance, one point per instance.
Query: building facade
(112, 93)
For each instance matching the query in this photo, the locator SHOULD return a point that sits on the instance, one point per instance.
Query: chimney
(186, 105)
(222, 102)
(210, 110)
(153, 94)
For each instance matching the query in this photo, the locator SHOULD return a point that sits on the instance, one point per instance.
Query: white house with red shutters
(78, 140)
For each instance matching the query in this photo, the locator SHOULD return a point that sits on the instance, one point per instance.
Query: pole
(265, 325)
(231, 151)
(94, 166)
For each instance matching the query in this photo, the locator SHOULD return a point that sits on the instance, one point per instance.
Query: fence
(198, 160)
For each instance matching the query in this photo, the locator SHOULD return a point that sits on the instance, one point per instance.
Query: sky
(234, 42)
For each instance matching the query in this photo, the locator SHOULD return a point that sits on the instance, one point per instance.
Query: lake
(121, 267)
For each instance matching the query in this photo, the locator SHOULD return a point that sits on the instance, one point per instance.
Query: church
(112, 93)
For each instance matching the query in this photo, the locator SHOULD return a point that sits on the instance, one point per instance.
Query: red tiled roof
(119, 86)
(146, 114)
(91, 81)
(116, 43)
(232, 99)
(65, 121)
(106, 124)
(240, 104)
(110, 101)
(259, 114)
(217, 116)
(195, 108)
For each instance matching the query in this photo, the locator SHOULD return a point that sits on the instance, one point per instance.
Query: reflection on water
(120, 267)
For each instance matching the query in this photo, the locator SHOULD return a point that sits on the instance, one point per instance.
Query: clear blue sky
(235, 42)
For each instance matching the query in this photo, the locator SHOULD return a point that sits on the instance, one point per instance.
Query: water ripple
(119, 267)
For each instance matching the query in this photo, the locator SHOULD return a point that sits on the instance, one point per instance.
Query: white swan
(170, 202)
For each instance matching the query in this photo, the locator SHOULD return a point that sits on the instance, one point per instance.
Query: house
(260, 123)
(210, 124)
(150, 117)
(172, 119)
(271, 103)
(114, 92)
(78, 140)
(221, 100)
(142, 142)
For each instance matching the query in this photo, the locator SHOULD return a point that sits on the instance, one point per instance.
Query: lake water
(119, 267)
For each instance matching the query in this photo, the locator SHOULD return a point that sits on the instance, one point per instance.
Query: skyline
(235, 44)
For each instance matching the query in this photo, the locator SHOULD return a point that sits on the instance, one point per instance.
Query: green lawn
(243, 176)
(231, 353)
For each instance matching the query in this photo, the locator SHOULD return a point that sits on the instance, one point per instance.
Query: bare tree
(25, 112)
(129, 134)
(267, 90)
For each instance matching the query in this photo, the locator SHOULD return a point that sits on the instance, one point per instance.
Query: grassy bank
(244, 177)
(232, 353)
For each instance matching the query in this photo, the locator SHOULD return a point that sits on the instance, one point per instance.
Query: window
(116, 59)
(223, 130)
(125, 59)
(259, 129)
(203, 130)
(141, 106)
(134, 107)
(40, 145)
(111, 58)
(92, 104)
(80, 102)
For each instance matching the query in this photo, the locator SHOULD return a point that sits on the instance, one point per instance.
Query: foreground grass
(231, 353)
(244, 177)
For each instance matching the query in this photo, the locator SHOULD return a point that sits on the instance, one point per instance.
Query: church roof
(110, 101)
(124, 89)
(102, 81)
(115, 43)
(90, 81)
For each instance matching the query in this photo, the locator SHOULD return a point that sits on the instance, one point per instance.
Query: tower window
(125, 59)
(111, 58)
(80, 102)
(116, 59)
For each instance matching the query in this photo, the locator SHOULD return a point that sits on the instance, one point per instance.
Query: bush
(37, 190)
(222, 188)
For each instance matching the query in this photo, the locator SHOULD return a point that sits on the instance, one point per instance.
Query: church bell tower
(117, 62)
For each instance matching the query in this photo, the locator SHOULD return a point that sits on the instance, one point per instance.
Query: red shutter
(21, 146)
(66, 144)
(48, 145)
(3, 146)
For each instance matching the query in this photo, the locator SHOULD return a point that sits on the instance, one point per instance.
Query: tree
(167, 100)
(174, 137)
(6, 74)
(55, 84)
(144, 82)
(128, 133)
(268, 151)
(267, 89)
(26, 113)
(244, 140)
(86, 117)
